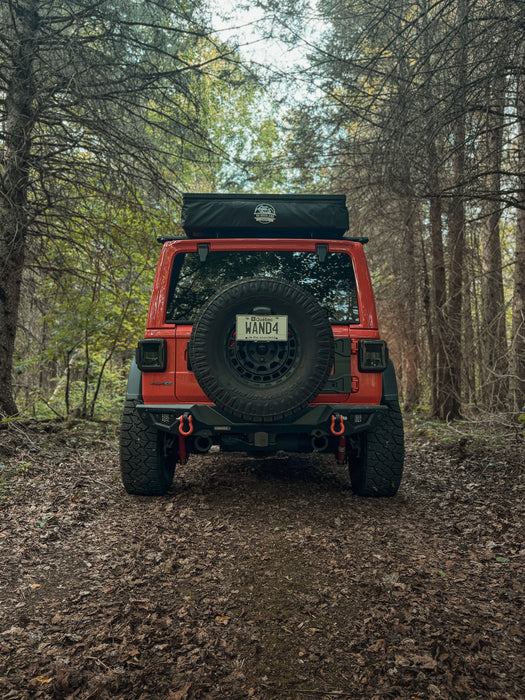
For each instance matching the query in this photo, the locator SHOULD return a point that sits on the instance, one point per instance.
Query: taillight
(373, 355)
(151, 355)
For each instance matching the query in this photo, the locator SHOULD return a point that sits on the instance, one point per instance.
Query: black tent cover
(264, 215)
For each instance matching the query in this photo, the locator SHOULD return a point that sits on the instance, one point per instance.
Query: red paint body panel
(177, 384)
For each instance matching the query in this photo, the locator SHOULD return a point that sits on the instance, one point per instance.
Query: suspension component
(341, 450)
(183, 455)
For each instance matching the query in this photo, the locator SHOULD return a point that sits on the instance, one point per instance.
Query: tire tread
(378, 472)
(144, 470)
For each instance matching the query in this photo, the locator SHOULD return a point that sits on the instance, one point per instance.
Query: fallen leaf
(181, 694)
(43, 679)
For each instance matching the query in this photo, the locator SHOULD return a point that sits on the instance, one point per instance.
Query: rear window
(331, 282)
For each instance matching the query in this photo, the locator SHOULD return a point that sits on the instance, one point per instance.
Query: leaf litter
(258, 579)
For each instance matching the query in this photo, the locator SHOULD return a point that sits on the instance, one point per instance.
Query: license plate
(250, 327)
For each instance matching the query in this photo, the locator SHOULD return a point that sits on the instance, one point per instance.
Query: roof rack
(354, 239)
(166, 239)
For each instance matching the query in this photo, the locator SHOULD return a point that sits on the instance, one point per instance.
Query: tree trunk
(451, 405)
(14, 185)
(469, 344)
(410, 340)
(437, 335)
(518, 303)
(494, 375)
(12, 256)
(426, 297)
(439, 297)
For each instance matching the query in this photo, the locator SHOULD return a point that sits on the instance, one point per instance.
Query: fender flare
(390, 392)
(134, 387)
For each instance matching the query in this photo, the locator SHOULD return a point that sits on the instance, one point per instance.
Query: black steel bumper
(208, 421)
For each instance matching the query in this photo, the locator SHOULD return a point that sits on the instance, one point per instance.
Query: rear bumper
(208, 421)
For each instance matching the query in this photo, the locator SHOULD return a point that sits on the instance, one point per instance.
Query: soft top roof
(264, 215)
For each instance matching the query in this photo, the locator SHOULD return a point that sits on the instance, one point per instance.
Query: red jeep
(262, 337)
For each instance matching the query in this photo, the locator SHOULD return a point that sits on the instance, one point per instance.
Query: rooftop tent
(264, 215)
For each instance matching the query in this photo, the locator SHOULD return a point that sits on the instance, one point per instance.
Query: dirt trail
(259, 579)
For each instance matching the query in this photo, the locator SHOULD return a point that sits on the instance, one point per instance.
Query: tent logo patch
(264, 214)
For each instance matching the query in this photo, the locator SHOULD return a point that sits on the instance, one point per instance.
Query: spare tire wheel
(261, 380)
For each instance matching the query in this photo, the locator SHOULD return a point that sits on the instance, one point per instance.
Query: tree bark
(494, 374)
(14, 186)
(439, 298)
(518, 302)
(451, 405)
(469, 344)
(437, 302)
(410, 340)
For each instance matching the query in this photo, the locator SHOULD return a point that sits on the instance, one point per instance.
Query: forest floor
(260, 579)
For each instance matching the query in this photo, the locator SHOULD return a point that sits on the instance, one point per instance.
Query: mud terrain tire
(144, 467)
(378, 469)
(254, 381)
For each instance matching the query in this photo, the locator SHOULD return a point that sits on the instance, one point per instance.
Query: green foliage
(114, 110)
(44, 520)
(94, 291)
(242, 124)
(94, 269)
(521, 420)
(155, 106)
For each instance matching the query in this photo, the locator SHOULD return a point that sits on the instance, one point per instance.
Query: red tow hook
(341, 428)
(183, 433)
(189, 418)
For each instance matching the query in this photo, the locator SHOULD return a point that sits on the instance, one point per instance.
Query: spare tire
(269, 380)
